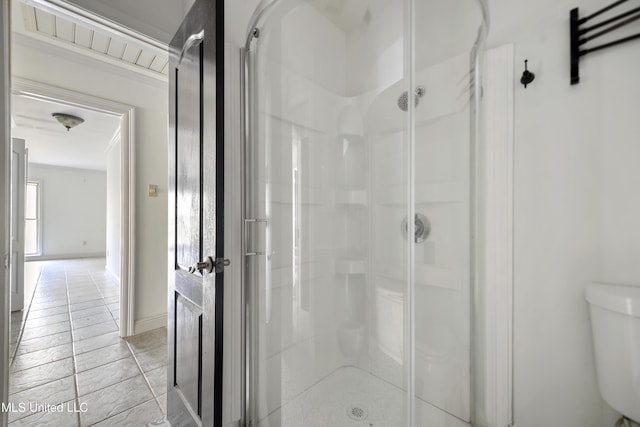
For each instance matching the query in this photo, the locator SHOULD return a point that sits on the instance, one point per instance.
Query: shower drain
(357, 413)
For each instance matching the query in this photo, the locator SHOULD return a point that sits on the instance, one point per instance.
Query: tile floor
(67, 351)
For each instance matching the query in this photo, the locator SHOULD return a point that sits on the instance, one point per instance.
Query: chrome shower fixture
(403, 100)
(422, 228)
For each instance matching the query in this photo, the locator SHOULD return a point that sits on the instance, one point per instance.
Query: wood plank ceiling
(122, 49)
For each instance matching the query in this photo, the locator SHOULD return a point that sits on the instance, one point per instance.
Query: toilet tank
(615, 323)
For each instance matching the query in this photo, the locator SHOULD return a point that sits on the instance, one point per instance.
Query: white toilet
(615, 323)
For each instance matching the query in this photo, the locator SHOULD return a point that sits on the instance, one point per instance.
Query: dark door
(196, 196)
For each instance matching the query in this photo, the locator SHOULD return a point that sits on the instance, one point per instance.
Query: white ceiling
(346, 14)
(49, 142)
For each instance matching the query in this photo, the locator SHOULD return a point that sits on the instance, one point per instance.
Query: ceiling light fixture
(67, 120)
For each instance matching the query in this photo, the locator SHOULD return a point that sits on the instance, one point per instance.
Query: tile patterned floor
(68, 355)
(352, 397)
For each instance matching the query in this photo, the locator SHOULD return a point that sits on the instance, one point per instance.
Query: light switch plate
(153, 190)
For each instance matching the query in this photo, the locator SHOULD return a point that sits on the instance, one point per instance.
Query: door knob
(209, 265)
(206, 265)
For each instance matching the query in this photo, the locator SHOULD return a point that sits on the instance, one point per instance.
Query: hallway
(69, 352)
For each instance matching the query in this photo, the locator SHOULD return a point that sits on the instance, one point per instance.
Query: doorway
(122, 147)
(114, 80)
(87, 298)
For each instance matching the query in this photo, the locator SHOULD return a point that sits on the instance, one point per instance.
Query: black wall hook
(527, 76)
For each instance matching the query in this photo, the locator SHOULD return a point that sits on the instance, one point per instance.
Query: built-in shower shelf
(426, 275)
(351, 197)
(352, 138)
(283, 277)
(434, 192)
(283, 194)
(350, 266)
(439, 276)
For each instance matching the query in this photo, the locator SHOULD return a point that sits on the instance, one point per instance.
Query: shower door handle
(254, 238)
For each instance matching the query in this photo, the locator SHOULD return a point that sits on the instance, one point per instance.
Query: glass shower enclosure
(359, 225)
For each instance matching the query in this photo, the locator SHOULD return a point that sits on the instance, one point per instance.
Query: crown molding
(46, 92)
(79, 54)
(72, 53)
(98, 23)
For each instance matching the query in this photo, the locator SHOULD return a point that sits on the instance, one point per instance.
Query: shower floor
(351, 397)
(347, 392)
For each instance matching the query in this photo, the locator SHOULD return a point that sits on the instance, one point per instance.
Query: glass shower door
(328, 263)
(445, 141)
(359, 215)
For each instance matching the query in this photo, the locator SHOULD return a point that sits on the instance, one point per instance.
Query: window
(33, 223)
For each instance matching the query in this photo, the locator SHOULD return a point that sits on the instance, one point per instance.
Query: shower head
(403, 100)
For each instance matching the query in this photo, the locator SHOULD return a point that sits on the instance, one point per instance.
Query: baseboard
(111, 274)
(64, 256)
(150, 323)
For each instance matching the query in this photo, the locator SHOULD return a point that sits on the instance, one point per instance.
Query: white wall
(113, 208)
(575, 205)
(620, 153)
(73, 210)
(75, 72)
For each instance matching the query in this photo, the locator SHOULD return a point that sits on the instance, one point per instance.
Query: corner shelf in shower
(426, 275)
(350, 266)
(433, 192)
(358, 139)
(351, 197)
(282, 277)
(282, 194)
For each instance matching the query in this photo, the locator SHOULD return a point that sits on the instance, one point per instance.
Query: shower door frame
(493, 144)
(5, 194)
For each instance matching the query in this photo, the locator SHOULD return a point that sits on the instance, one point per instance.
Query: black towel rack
(582, 34)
